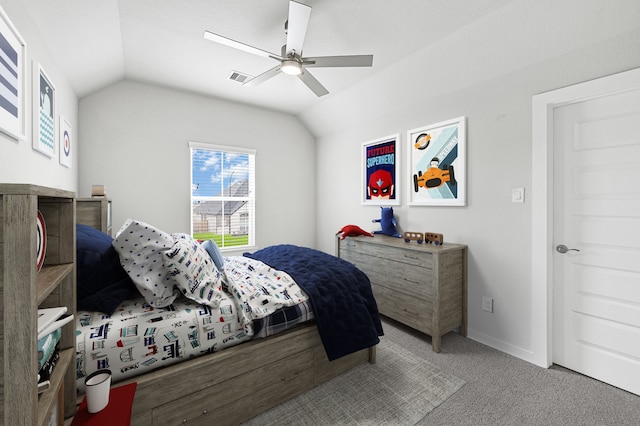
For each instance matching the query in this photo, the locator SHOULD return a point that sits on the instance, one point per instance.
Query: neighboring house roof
(214, 208)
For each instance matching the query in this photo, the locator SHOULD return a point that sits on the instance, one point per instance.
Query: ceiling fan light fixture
(291, 67)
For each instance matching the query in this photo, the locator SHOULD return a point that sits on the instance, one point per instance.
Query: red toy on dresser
(352, 231)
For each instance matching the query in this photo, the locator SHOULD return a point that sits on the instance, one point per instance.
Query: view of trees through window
(222, 195)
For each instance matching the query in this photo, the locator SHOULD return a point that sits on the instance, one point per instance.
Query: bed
(268, 326)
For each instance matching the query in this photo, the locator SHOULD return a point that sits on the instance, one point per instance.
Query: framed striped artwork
(13, 53)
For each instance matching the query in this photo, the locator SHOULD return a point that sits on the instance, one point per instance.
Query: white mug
(97, 387)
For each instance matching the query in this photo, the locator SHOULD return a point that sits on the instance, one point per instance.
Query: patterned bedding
(138, 338)
(283, 319)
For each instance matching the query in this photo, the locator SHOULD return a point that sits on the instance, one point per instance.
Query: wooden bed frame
(240, 382)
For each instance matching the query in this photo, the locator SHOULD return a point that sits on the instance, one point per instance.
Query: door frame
(542, 243)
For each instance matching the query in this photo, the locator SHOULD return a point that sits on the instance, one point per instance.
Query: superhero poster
(381, 159)
(436, 164)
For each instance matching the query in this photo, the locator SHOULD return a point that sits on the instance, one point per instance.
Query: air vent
(239, 77)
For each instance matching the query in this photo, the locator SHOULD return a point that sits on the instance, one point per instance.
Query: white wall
(497, 104)
(132, 137)
(134, 141)
(19, 162)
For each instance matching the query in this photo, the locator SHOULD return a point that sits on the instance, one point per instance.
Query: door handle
(561, 248)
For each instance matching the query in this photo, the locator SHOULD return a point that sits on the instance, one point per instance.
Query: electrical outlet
(487, 304)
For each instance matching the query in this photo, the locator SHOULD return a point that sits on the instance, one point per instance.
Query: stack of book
(50, 321)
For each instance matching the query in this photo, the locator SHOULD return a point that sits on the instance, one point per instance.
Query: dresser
(421, 285)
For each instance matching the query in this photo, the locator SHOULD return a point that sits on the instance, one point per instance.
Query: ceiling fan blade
(263, 77)
(313, 84)
(339, 61)
(297, 24)
(238, 45)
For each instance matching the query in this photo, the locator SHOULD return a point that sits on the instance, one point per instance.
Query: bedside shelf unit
(23, 290)
(95, 212)
(421, 285)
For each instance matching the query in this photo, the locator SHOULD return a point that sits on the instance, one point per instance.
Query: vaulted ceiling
(99, 42)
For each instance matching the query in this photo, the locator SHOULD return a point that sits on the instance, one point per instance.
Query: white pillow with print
(193, 270)
(140, 246)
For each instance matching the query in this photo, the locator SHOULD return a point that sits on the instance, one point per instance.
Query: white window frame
(250, 198)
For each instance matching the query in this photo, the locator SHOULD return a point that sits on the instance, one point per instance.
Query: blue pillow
(214, 251)
(102, 282)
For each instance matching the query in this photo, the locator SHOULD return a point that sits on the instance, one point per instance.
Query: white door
(596, 236)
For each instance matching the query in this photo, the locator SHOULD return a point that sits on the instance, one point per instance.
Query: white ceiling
(99, 42)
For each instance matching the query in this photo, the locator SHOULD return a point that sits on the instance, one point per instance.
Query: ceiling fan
(290, 60)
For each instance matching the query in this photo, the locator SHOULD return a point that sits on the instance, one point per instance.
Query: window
(223, 194)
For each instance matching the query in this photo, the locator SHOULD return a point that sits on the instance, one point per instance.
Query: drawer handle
(411, 257)
(412, 281)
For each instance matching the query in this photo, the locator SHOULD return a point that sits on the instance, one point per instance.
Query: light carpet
(399, 389)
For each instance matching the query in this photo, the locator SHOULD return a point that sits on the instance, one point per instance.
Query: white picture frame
(13, 72)
(436, 164)
(44, 112)
(66, 142)
(381, 178)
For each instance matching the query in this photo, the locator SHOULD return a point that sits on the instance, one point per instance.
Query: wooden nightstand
(95, 212)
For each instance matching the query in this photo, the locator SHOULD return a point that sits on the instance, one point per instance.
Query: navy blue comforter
(346, 312)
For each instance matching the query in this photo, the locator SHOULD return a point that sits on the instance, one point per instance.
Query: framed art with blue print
(436, 164)
(44, 112)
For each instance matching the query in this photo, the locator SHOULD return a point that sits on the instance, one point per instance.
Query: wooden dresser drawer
(402, 307)
(392, 253)
(414, 281)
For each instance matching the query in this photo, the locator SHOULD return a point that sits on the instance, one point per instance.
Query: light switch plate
(487, 304)
(517, 195)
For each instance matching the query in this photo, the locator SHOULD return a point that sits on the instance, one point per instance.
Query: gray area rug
(400, 389)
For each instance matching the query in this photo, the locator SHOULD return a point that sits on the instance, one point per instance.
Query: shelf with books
(24, 288)
(49, 398)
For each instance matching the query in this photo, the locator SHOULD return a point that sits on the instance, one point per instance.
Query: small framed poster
(381, 171)
(66, 142)
(44, 107)
(436, 164)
